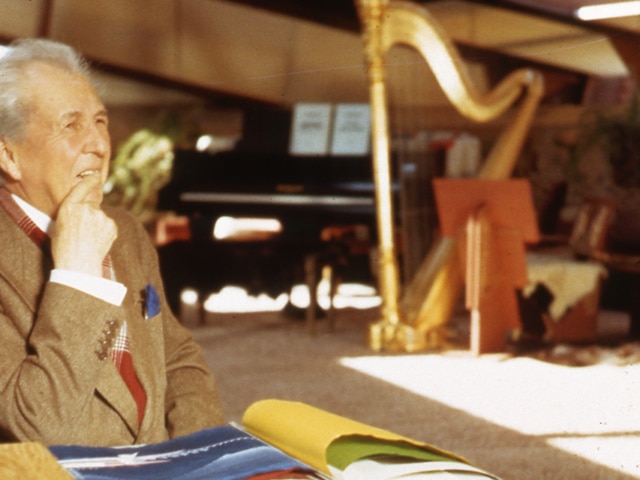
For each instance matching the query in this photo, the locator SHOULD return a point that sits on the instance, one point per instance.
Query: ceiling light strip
(608, 10)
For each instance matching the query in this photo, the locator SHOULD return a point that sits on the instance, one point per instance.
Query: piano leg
(311, 279)
(314, 264)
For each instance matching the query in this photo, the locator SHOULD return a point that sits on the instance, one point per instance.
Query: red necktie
(120, 352)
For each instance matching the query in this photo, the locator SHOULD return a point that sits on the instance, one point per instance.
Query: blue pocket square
(151, 302)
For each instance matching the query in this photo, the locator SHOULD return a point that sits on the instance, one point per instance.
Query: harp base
(395, 337)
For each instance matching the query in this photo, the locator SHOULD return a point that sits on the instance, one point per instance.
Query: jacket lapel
(141, 334)
(23, 264)
(142, 340)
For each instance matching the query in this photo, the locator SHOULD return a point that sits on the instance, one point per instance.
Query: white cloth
(569, 280)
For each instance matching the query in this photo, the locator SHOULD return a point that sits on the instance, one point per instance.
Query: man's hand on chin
(83, 234)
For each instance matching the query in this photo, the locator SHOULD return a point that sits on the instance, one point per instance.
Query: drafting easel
(492, 220)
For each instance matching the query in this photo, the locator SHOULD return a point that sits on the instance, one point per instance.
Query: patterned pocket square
(151, 302)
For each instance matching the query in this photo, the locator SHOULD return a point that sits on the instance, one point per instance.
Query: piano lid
(278, 179)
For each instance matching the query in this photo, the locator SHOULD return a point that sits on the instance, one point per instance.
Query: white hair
(14, 109)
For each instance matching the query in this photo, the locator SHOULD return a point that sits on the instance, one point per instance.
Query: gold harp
(415, 321)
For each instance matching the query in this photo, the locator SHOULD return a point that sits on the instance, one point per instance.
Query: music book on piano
(277, 439)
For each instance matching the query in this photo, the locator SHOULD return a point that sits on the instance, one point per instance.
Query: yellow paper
(306, 432)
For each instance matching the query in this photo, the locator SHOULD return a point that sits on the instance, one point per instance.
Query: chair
(592, 243)
(562, 300)
(589, 253)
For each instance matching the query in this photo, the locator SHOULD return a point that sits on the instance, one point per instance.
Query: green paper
(346, 450)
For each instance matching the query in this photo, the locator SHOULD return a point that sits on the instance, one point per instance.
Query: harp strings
(414, 164)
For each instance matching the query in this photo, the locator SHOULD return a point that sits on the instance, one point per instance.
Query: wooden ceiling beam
(335, 13)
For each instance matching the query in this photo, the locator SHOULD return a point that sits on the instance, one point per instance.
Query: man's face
(66, 137)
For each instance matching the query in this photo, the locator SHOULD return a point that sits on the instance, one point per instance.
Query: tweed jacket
(56, 386)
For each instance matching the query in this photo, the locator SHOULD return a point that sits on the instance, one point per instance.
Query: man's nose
(97, 140)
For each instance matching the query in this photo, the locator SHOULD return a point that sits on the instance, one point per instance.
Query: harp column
(390, 331)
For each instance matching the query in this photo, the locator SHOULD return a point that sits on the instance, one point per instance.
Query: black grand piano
(307, 195)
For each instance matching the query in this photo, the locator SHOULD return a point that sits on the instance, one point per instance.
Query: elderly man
(90, 352)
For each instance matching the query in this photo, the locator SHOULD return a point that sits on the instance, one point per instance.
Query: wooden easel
(492, 219)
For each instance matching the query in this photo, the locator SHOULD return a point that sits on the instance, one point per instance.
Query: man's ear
(8, 163)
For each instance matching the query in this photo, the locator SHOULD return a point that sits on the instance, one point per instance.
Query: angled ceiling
(279, 52)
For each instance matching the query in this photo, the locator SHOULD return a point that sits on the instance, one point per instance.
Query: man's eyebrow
(75, 114)
(71, 115)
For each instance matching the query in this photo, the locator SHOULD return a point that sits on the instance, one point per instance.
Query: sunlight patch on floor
(236, 299)
(618, 452)
(232, 299)
(587, 411)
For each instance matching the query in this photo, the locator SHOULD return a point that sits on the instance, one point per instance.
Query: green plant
(142, 166)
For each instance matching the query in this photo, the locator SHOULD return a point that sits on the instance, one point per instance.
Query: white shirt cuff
(102, 288)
